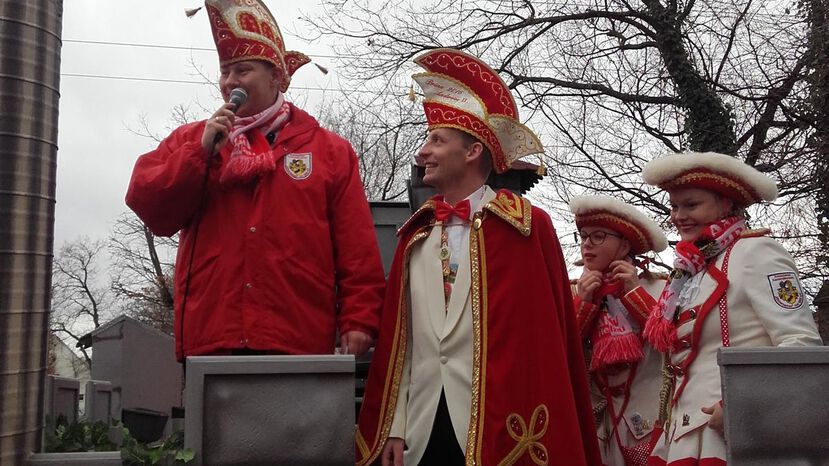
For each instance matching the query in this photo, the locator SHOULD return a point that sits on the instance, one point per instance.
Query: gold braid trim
(428, 205)
(603, 217)
(665, 396)
(478, 291)
(584, 317)
(635, 303)
(754, 233)
(398, 352)
(361, 444)
(528, 437)
(745, 191)
(513, 208)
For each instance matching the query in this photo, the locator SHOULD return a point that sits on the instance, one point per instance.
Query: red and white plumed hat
(462, 92)
(723, 174)
(642, 233)
(246, 30)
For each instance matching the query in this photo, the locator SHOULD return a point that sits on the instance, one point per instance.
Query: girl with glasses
(612, 302)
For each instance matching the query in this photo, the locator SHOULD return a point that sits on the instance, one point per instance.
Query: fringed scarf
(691, 259)
(615, 336)
(245, 165)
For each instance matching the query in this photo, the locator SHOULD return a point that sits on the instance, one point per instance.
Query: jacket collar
(505, 205)
(301, 126)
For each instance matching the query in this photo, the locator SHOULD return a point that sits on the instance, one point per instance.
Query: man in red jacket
(277, 249)
(479, 361)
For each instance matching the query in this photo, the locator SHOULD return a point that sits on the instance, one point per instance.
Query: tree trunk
(709, 123)
(818, 17)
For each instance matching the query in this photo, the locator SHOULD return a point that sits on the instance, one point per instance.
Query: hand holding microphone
(221, 123)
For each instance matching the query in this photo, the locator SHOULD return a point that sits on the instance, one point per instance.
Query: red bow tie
(444, 211)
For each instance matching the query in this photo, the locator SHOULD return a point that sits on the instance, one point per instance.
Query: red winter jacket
(279, 263)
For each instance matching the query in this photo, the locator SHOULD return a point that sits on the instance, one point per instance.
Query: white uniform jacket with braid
(766, 306)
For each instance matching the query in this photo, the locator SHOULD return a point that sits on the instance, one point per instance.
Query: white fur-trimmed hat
(720, 173)
(602, 211)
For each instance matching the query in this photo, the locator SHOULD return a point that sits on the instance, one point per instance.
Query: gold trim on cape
(528, 437)
(428, 205)
(477, 263)
(513, 208)
(398, 353)
(361, 444)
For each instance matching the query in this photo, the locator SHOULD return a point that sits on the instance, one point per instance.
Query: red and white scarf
(691, 259)
(244, 165)
(615, 338)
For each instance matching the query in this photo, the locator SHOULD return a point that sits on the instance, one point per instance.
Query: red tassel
(615, 350)
(660, 332)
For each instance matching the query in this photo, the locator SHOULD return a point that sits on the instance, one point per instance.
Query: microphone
(238, 96)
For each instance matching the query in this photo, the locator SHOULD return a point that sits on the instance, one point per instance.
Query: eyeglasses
(597, 237)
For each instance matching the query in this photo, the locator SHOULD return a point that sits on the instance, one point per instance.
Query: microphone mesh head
(238, 96)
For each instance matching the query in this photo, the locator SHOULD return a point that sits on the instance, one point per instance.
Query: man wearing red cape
(489, 371)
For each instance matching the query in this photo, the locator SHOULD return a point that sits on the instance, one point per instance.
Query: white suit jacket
(441, 348)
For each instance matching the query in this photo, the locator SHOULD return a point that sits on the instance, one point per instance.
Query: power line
(186, 81)
(133, 78)
(197, 49)
(402, 93)
(547, 66)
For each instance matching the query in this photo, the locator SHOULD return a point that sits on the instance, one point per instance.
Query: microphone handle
(219, 136)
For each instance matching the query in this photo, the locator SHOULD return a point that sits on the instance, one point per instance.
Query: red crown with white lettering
(463, 93)
(246, 30)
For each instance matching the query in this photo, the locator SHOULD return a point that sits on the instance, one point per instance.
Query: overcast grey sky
(96, 149)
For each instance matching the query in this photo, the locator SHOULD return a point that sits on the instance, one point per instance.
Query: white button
(248, 285)
(253, 229)
(444, 359)
(243, 341)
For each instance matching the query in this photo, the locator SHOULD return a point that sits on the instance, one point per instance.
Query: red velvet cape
(530, 402)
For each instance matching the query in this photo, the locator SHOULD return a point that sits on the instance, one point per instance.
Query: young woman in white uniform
(731, 286)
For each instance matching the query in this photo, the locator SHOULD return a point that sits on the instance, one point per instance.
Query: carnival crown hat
(463, 93)
(246, 30)
(642, 233)
(720, 173)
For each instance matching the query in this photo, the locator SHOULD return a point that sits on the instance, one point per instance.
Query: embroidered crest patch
(786, 290)
(298, 166)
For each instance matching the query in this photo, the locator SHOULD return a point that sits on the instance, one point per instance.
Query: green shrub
(84, 435)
